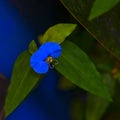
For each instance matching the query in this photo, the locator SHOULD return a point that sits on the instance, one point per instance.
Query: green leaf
(57, 33)
(23, 80)
(98, 104)
(101, 6)
(75, 65)
(32, 47)
(105, 29)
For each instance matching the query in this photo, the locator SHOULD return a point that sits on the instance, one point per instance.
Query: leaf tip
(90, 18)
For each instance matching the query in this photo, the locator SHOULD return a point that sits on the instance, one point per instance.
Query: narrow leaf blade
(101, 6)
(23, 80)
(57, 33)
(32, 47)
(75, 65)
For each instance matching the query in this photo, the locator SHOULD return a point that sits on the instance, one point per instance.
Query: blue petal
(38, 56)
(40, 67)
(52, 49)
(37, 62)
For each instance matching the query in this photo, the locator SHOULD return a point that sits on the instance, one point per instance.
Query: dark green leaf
(75, 65)
(106, 28)
(101, 6)
(65, 84)
(32, 47)
(98, 104)
(23, 80)
(57, 33)
(78, 109)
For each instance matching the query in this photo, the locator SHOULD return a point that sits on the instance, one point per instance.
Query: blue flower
(44, 57)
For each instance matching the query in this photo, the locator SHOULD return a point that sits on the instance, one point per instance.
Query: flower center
(49, 59)
(52, 62)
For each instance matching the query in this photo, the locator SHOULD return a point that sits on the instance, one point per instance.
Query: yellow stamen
(49, 59)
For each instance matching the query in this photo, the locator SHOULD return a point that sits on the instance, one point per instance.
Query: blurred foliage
(65, 84)
(78, 109)
(98, 104)
(105, 29)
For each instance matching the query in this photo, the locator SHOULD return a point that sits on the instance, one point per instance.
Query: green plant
(84, 61)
